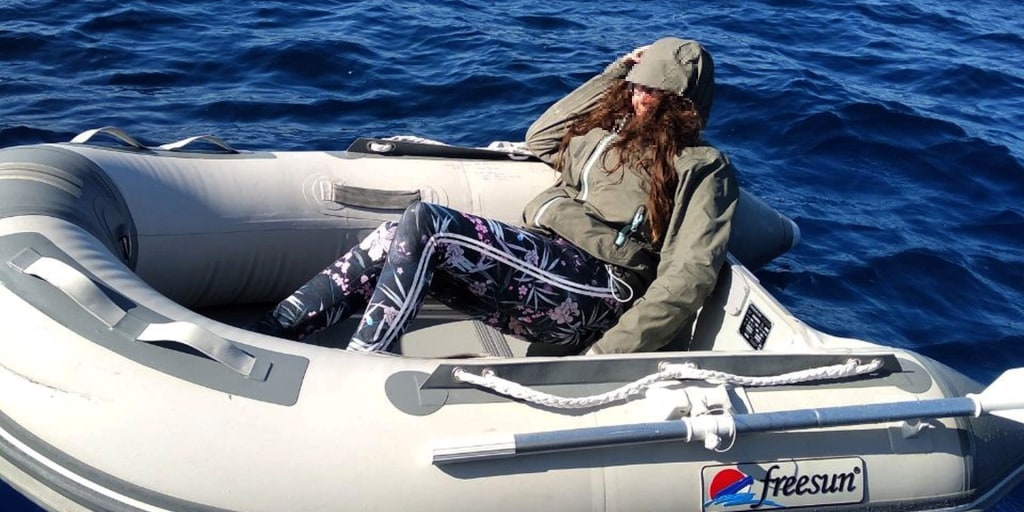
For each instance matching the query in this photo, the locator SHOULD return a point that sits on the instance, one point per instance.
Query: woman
(616, 256)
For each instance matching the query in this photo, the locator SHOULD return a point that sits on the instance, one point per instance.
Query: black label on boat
(755, 327)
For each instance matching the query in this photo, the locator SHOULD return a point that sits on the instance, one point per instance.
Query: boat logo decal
(783, 484)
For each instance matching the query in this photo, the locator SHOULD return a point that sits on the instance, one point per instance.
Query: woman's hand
(634, 56)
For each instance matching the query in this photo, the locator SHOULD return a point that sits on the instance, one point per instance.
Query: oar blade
(1005, 397)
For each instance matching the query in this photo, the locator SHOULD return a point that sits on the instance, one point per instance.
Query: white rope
(489, 380)
(851, 368)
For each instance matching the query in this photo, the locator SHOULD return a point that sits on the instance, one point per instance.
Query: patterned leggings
(539, 288)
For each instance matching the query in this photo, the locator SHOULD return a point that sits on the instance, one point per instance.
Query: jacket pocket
(572, 221)
(538, 207)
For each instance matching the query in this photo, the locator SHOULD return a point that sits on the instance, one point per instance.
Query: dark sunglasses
(643, 89)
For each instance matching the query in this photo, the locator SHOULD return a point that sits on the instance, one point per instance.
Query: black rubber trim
(619, 370)
(420, 394)
(384, 147)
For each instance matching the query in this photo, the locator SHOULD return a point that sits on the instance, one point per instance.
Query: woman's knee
(418, 214)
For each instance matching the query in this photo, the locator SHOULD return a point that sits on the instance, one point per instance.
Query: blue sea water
(891, 132)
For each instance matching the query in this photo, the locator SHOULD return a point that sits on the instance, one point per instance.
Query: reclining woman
(616, 256)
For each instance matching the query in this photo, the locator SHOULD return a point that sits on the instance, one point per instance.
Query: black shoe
(268, 324)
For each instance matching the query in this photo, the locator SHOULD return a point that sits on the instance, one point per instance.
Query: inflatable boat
(129, 382)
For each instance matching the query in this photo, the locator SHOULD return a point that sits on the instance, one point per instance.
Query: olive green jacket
(589, 206)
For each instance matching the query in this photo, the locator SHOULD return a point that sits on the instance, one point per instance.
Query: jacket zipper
(585, 175)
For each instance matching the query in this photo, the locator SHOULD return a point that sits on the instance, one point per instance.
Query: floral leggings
(536, 287)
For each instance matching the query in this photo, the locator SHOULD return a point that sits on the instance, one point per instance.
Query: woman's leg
(539, 288)
(335, 293)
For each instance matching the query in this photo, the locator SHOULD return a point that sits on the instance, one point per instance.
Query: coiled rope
(689, 371)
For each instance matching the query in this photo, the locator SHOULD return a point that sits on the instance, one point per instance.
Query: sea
(891, 132)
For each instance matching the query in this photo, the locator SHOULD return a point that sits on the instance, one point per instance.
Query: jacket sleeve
(693, 253)
(545, 134)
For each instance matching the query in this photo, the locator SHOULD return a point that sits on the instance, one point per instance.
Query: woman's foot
(268, 324)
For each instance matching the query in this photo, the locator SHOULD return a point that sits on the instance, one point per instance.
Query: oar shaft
(702, 427)
(854, 414)
(593, 437)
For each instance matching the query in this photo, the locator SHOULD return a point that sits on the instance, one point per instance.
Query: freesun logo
(784, 484)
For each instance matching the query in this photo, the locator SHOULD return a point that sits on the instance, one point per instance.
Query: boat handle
(70, 281)
(117, 133)
(359, 197)
(211, 345)
(90, 297)
(212, 139)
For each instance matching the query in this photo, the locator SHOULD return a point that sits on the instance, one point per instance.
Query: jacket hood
(678, 66)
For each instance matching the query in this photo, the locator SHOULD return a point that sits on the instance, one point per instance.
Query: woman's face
(643, 99)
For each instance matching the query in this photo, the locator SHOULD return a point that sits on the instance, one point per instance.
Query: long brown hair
(648, 145)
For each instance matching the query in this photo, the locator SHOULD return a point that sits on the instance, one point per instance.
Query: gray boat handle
(212, 139)
(117, 133)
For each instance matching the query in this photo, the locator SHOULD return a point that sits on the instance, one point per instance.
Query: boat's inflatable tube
(224, 227)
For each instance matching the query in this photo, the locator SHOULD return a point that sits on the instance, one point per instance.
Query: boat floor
(440, 332)
(437, 332)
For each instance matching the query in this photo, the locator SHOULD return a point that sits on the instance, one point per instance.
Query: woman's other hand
(634, 56)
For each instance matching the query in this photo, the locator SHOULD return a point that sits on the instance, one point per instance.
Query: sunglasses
(643, 89)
